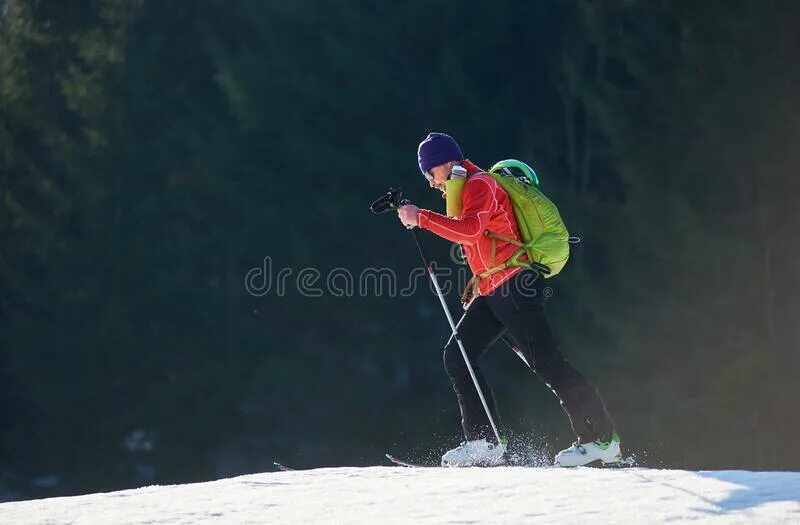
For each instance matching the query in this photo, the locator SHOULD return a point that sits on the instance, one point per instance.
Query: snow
(435, 495)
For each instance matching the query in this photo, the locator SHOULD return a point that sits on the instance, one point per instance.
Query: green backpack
(545, 239)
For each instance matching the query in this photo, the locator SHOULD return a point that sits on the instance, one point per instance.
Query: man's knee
(554, 370)
(453, 362)
(566, 382)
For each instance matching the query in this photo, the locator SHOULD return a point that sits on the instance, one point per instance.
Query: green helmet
(517, 169)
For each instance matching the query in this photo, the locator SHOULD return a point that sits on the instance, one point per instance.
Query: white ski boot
(478, 453)
(580, 454)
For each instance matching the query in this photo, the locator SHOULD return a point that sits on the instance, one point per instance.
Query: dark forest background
(153, 152)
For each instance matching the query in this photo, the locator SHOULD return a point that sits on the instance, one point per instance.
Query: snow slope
(434, 495)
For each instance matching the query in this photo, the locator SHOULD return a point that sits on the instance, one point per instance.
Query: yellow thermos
(454, 188)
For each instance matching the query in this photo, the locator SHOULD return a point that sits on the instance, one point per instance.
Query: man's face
(440, 174)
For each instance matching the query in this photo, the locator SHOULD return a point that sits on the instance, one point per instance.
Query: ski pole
(391, 200)
(429, 268)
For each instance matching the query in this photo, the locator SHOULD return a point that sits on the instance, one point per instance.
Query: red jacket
(485, 206)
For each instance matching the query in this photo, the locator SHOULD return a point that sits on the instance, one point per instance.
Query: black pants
(517, 310)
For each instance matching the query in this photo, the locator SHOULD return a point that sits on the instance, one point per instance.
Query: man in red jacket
(510, 302)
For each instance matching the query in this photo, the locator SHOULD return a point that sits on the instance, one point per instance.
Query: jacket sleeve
(479, 203)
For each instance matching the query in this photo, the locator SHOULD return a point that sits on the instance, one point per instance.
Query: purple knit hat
(436, 149)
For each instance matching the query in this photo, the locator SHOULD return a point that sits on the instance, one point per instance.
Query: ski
(625, 463)
(281, 467)
(629, 462)
(402, 463)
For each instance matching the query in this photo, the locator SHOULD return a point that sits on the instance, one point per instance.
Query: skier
(508, 302)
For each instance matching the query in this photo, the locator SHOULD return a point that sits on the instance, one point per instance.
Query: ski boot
(477, 453)
(580, 454)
